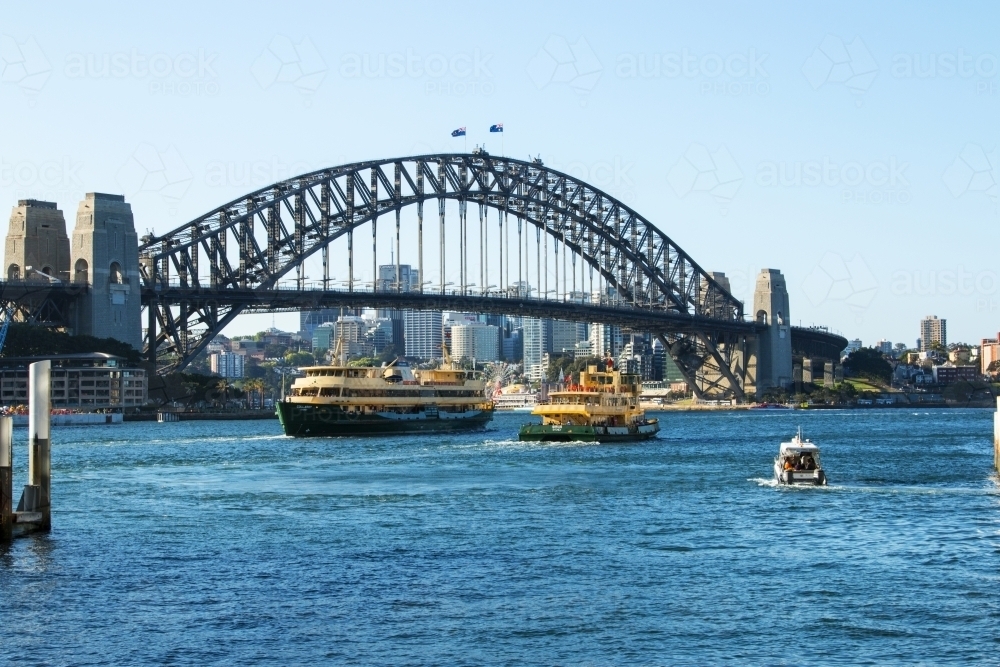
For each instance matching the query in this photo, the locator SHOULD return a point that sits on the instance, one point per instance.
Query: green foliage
(570, 365)
(29, 340)
(300, 359)
(870, 364)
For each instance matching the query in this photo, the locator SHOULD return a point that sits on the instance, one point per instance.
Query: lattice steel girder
(641, 256)
(47, 304)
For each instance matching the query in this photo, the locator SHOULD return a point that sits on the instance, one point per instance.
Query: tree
(870, 364)
(255, 386)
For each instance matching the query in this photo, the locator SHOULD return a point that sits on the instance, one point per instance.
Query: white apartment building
(475, 341)
(422, 331)
(226, 364)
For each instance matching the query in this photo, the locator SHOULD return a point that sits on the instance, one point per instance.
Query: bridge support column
(774, 341)
(106, 247)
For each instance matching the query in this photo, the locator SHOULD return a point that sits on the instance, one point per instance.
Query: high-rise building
(422, 333)
(537, 342)
(409, 281)
(226, 364)
(310, 319)
(605, 340)
(475, 341)
(853, 346)
(322, 337)
(884, 346)
(565, 335)
(378, 334)
(513, 345)
(933, 330)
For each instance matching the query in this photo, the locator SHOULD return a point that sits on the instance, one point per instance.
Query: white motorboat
(798, 463)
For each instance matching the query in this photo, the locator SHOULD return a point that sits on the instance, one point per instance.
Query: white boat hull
(800, 477)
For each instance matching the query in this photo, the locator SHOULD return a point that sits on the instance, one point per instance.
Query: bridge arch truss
(191, 274)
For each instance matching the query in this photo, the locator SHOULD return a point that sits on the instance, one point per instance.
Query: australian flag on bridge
(496, 128)
(460, 132)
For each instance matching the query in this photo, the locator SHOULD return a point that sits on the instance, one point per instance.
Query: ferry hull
(582, 433)
(308, 420)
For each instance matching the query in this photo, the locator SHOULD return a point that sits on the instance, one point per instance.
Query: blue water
(226, 543)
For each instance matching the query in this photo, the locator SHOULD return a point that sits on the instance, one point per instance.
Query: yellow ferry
(603, 407)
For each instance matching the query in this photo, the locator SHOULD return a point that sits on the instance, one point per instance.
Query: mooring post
(36, 496)
(6, 478)
(996, 437)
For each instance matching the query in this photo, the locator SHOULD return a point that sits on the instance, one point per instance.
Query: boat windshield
(799, 459)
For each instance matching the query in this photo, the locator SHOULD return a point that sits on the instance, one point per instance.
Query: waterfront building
(86, 381)
(950, 373)
(933, 330)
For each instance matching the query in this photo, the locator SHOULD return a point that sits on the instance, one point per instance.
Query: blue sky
(854, 147)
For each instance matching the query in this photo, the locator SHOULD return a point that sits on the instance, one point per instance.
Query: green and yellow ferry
(393, 399)
(603, 407)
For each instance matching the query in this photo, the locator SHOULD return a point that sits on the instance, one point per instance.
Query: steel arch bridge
(200, 276)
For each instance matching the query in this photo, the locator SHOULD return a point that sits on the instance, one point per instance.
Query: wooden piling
(6, 478)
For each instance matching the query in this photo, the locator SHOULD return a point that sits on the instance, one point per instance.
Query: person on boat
(788, 464)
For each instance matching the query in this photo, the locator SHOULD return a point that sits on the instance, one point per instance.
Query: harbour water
(227, 543)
